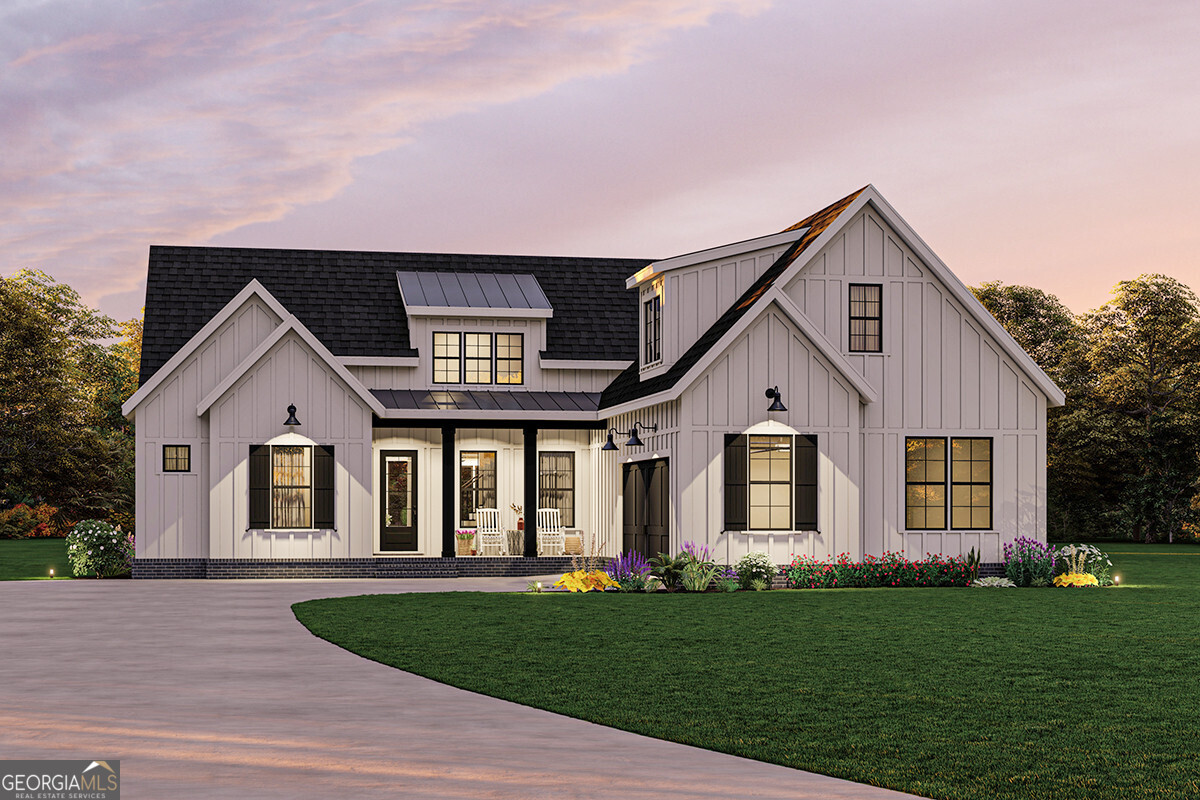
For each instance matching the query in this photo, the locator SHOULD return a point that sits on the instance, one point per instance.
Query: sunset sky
(1055, 144)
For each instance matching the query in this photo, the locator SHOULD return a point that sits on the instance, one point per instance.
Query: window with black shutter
(770, 482)
(291, 487)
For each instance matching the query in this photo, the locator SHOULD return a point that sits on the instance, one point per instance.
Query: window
(969, 480)
(477, 364)
(556, 485)
(971, 484)
(510, 358)
(477, 484)
(177, 458)
(866, 318)
(447, 358)
(291, 487)
(770, 482)
(469, 358)
(653, 333)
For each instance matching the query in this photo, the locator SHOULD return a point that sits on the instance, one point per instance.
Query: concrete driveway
(212, 689)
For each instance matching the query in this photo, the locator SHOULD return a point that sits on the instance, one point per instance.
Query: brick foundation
(218, 568)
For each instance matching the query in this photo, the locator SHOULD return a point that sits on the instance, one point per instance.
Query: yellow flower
(1076, 579)
(581, 581)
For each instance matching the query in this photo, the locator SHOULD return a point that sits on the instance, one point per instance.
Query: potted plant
(465, 541)
(518, 510)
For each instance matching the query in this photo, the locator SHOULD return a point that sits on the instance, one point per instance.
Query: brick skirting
(477, 567)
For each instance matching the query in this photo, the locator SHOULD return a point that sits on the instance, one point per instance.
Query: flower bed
(890, 569)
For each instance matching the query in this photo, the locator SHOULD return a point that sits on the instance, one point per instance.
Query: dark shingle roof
(483, 400)
(351, 301)
(626, 386)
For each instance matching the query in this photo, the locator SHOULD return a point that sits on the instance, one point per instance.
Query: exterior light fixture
(52, 572)
(609, 444)
(291, 420)
(777, 405)
(1116, 578)
(634, 440)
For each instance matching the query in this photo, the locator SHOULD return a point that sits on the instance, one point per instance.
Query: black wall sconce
(634, 439)
(291, 420)
(778, 396)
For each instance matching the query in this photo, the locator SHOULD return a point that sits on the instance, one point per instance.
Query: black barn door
(646, 507)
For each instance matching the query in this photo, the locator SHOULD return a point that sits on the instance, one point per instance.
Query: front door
(398, 500)
(646, 507)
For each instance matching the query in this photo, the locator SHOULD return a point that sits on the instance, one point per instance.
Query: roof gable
(351, 300)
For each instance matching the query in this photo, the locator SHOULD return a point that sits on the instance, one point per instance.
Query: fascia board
(291, 324)
(1054, 395)
(479, 312)
(380, 361)
(712, 254)
(185, 352)
(581, 363)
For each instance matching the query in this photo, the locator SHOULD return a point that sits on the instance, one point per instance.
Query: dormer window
(652, 324)
(475, 358)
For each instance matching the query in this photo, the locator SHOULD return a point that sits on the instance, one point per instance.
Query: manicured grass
(31, 559)
(956, 693)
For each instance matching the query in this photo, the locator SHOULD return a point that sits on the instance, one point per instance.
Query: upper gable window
(652, 323)
(866, 318)
(474, 358)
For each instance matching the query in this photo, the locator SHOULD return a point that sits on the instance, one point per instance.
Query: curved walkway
(212, 689)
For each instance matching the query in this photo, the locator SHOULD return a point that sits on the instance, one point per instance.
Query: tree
(62, 439)
(1144, 347)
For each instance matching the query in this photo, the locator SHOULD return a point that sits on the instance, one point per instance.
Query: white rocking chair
(551, 538)
(488, 535)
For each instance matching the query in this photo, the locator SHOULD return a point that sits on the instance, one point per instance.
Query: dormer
(475, 329)
(681, 297)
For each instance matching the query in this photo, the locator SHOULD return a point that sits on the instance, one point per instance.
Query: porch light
(634, 440)
(609, 444)
(291, 420)
(778, 404)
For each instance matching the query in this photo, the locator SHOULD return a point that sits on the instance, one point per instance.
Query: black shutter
(806, 483)
(737, 490)
(323, 473)
(260, 486)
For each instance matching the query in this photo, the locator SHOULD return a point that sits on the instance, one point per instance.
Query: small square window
(177, 458)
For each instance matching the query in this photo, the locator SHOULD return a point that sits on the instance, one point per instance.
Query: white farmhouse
(832, 388)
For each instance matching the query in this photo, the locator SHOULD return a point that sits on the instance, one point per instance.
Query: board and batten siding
(940, 374)
(729, 398)
(172, 508)
(694, 297)
(252, 412)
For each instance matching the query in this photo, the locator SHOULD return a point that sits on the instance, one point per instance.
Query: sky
(1051, 144)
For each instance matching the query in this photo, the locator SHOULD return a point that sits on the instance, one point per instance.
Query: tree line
(1123, 453)
(65, 370)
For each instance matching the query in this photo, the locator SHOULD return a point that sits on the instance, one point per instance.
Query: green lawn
(963, 693)
(31, 559)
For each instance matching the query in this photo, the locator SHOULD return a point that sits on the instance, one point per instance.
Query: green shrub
(1028, 561)
(754, 566)
(98, 548)
(890, 569)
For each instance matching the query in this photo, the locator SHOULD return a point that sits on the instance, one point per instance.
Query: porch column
(531, 490)
(449, 490)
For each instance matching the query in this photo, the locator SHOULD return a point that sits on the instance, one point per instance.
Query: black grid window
(447, 358)
(477, 362)
(653, 329)
(510, 358)
(925, 484)
(556, 485)
(866, 318)
(177, 458)
(291, 486)
(971, 484)
(477, 487)
(770, 483)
